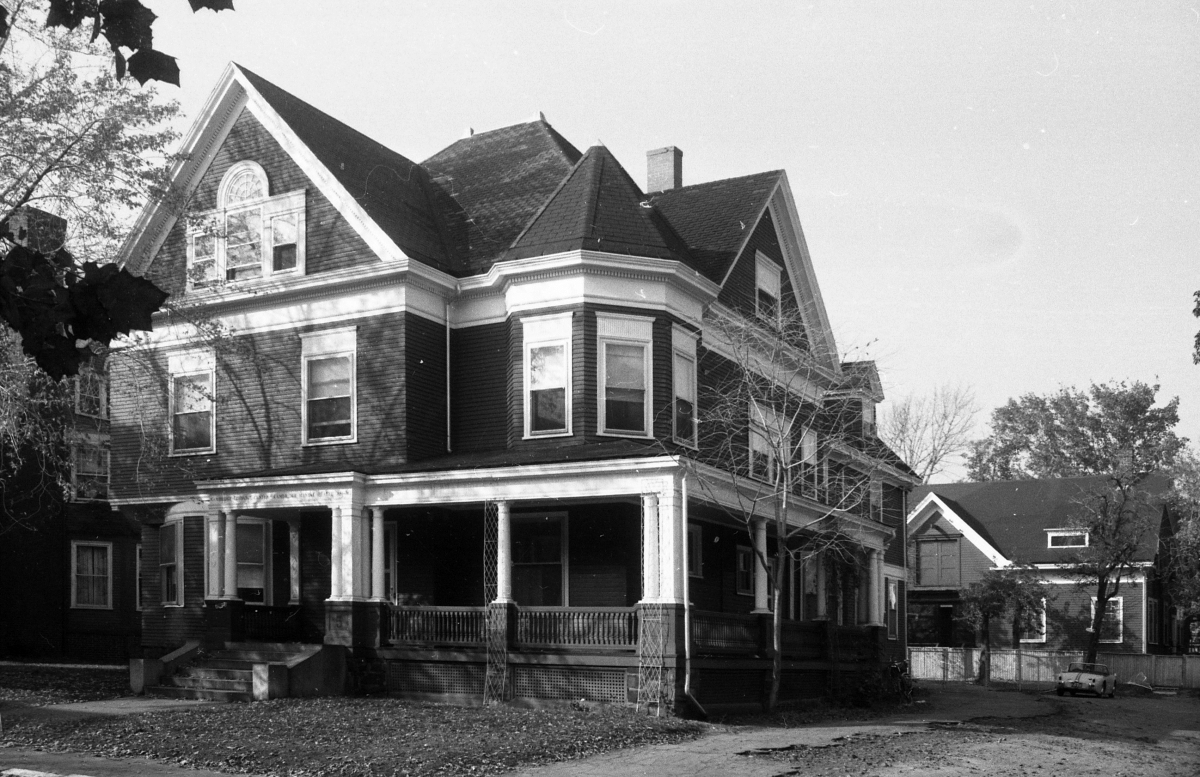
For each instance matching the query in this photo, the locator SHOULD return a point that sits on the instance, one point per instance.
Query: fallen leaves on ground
(337, 736)
(41, 684)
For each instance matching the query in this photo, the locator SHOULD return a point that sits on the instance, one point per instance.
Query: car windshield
(1090, 668)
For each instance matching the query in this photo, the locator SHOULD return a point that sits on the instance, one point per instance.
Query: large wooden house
(429, 428)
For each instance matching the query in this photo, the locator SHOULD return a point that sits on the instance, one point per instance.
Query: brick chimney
(664, 169)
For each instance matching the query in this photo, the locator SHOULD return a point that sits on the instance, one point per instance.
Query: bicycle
(902, 682)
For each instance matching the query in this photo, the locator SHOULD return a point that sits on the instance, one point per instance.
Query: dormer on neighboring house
(474, 383)
(959, 531)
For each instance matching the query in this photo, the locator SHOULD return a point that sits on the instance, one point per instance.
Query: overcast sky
(1002, 194)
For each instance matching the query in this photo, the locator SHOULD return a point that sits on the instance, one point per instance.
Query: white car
(1087, 678)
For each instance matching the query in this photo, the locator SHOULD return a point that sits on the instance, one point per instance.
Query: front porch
(562, 585)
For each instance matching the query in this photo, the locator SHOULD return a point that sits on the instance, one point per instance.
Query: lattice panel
(542, 682)
(435, 678)
(496, 680)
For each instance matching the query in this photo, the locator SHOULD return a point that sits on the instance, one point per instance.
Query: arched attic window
(251, 234)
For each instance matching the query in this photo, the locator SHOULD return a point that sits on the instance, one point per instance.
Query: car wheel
(1059, 691)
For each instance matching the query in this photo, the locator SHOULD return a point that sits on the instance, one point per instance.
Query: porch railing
(437, 625)
(853, 643)
(804, 640)
(725, 632)
(263, 623)
(606, 627)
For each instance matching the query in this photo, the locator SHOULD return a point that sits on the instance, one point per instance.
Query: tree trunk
(1102, 597)
(985, 661)
(777, 599)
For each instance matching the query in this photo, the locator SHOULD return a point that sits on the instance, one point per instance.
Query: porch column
(335, 554)
(229, 589)
(649, 547)
(293, 561)
(876, 583)
(216, 558)
(760, 567)
(377, 592)
(822, 592)
(503, 553)
(670, 545)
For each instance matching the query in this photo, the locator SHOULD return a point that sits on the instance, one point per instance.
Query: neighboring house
(69, 573)
(958, 531)
(430, 418)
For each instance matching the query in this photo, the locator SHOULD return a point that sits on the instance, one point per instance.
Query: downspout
(687, 610)
(447, 311)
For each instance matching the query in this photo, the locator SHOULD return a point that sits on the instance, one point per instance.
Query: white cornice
(933, 503)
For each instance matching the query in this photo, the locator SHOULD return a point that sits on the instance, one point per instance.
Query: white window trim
(185, 365)
(740, 552)
(695, 550)
(102, 381)
(269, 207)
(1042, 638)
(324, 344)
(683, 345)
(768, 276)
(876, 496)
(868, 417)
(1051, 533)
(108, 549)
(1120, 621)
(268, 540)
(765, 421)
(97, 441)
(539, 331)
(619, 329)
(180, 597)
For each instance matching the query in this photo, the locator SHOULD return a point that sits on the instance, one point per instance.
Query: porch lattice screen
(495, 684)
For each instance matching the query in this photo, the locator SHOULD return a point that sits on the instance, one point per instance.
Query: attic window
(766, 288)
(1066, 538)
(251, 235)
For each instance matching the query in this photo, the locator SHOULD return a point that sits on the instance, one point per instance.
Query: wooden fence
(1041, 667)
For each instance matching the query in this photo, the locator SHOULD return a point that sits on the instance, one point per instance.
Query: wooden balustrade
(436, 625)
(804, 640)
(607, 627)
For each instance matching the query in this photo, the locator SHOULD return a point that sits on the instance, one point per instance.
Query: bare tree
(779, 432)
(1119, 519)
(927, 431)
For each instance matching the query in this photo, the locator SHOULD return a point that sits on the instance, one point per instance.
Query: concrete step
(216, 673)
(276, 647)
(209, 683)
(253, 656)
(174, 692)
(233, 664)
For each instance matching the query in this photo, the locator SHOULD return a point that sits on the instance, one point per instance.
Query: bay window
(547, 375)
(624, 348)
(683, 371)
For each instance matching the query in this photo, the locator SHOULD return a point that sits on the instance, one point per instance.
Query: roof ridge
(546, 204)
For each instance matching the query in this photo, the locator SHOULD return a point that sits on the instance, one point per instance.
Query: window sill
(686, 443)
(205, 452)
(91, 606)
(546, 435)
(626, 435)
(323, 443)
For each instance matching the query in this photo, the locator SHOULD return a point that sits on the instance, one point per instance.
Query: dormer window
(1066, 538)
(251, 235)
(766, 288)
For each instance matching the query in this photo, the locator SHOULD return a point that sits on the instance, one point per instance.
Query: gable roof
(394, 191)
(500, 179)
(598, 207)
(1013, 515)
(716, 218)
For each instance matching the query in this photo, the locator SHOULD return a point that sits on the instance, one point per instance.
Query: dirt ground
(1137, 734)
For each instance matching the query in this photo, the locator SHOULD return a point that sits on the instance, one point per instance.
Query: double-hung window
(170, 562)
(625, 345)
(251, 234)
(547, 375)
(89, 467)
(91, 393)
(253, 542)
(744, 573)
(1113, 626)
(893, 608)
(770, 439)
(811, 471)
(91, 575)
(1036, 626)
(767, 285)
(683, 348)
(329, 403)
(193, 420)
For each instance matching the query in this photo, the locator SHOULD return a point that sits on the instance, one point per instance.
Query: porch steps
(226, 674)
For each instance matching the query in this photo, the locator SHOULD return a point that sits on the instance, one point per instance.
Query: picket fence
(1040, 668)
